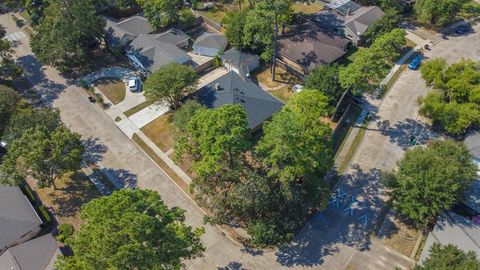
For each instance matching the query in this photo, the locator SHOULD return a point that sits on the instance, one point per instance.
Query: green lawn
(113, 88)
(469, 9)
(284, 93)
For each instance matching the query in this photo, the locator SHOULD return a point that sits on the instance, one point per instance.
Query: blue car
(415, 63)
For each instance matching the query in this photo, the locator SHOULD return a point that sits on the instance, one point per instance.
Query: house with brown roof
(307, 46)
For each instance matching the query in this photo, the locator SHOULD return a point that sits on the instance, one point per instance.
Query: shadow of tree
(402, 132)
(94, 150)
(120, 178)
(232, 266)
(47, 90)
(347, 222)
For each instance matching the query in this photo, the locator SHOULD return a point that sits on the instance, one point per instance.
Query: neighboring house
(358, 22)
(18, 220)
(37, 254)
(241, 62)
(174, 36)
(149, 54)
(452, 228)
(343, 7)
(210, 44)
(120, 34)
(233, 89)
(307, 46)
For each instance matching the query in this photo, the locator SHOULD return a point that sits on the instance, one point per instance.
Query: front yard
(307, 8)
(113, 88)
(160, 132)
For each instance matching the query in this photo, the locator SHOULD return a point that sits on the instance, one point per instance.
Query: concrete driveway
(331, 240)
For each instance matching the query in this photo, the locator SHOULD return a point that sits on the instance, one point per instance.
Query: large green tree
(5, 54)
(215, 139)
(372, 64)
(182, 116)
(131, 229)
(170, 84)
(25, 119)
(324, 78)
(43, 155)
(160, 12)
(67, 32)
(9, 99)
(449, 257)
(454, 102)
(437, 13)
(385, 24)
(431, 179)
(297, 145)
(234, 23)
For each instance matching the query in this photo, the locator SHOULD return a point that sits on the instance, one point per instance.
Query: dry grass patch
(264, 77)
(307, 8)
(284, 93)
(401, 236)
(73, 191)
(160, 132)
(113, 88)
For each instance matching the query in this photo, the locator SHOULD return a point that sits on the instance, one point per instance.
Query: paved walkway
(147, 115)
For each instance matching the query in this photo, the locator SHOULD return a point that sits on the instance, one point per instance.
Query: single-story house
(149, 54)
(119, 34)
(37, 254)
(358, 22)
(233, 89)
(453, 228)
(307, 46)
(174, 36)
(210, 44)
(241, 62)
(19, 222)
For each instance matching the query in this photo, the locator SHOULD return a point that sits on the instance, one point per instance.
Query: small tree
(385, 24)
(436, 13)
(431, 179)
(44, 155)
(131, 229)
(160, 12)
(449, 257)
(170, 84)
(182, 116)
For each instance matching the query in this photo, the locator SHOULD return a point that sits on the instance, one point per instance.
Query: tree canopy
(9, 99)
(66, 34)
(160, 12)
(372, 64)
(267, 188)
(44, 155)
(182, 116)
(449, 257)
(324, 78)
(5, 54)
(170, 84)
(454, 102)
(388, 22)
(431, 179)
(131, 229)
(437, 13)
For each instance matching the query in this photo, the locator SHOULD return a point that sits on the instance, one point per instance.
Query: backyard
(113, 88)
(307, 7)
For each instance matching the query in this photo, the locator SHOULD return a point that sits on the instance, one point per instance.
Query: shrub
(28, 192)
(44, 214)
(83, 84)
(64, 232)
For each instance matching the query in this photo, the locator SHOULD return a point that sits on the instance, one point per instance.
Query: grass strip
(138, 108)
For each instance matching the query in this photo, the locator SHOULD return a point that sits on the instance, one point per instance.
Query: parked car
(134, 84)
(462, 29)
(415, 63)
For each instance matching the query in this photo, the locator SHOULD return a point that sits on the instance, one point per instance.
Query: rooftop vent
(217, 87)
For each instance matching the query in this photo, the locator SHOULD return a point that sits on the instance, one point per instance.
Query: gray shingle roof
(209, 40)
(472, 141)
(173, 36)
(17, 217)
(363, 18)
(258, 104)
(36, 254)
(238, 58)
(154, 53)
(136, 24)
(308, 46)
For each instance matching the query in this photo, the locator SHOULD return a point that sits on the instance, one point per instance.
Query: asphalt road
(331, 240)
